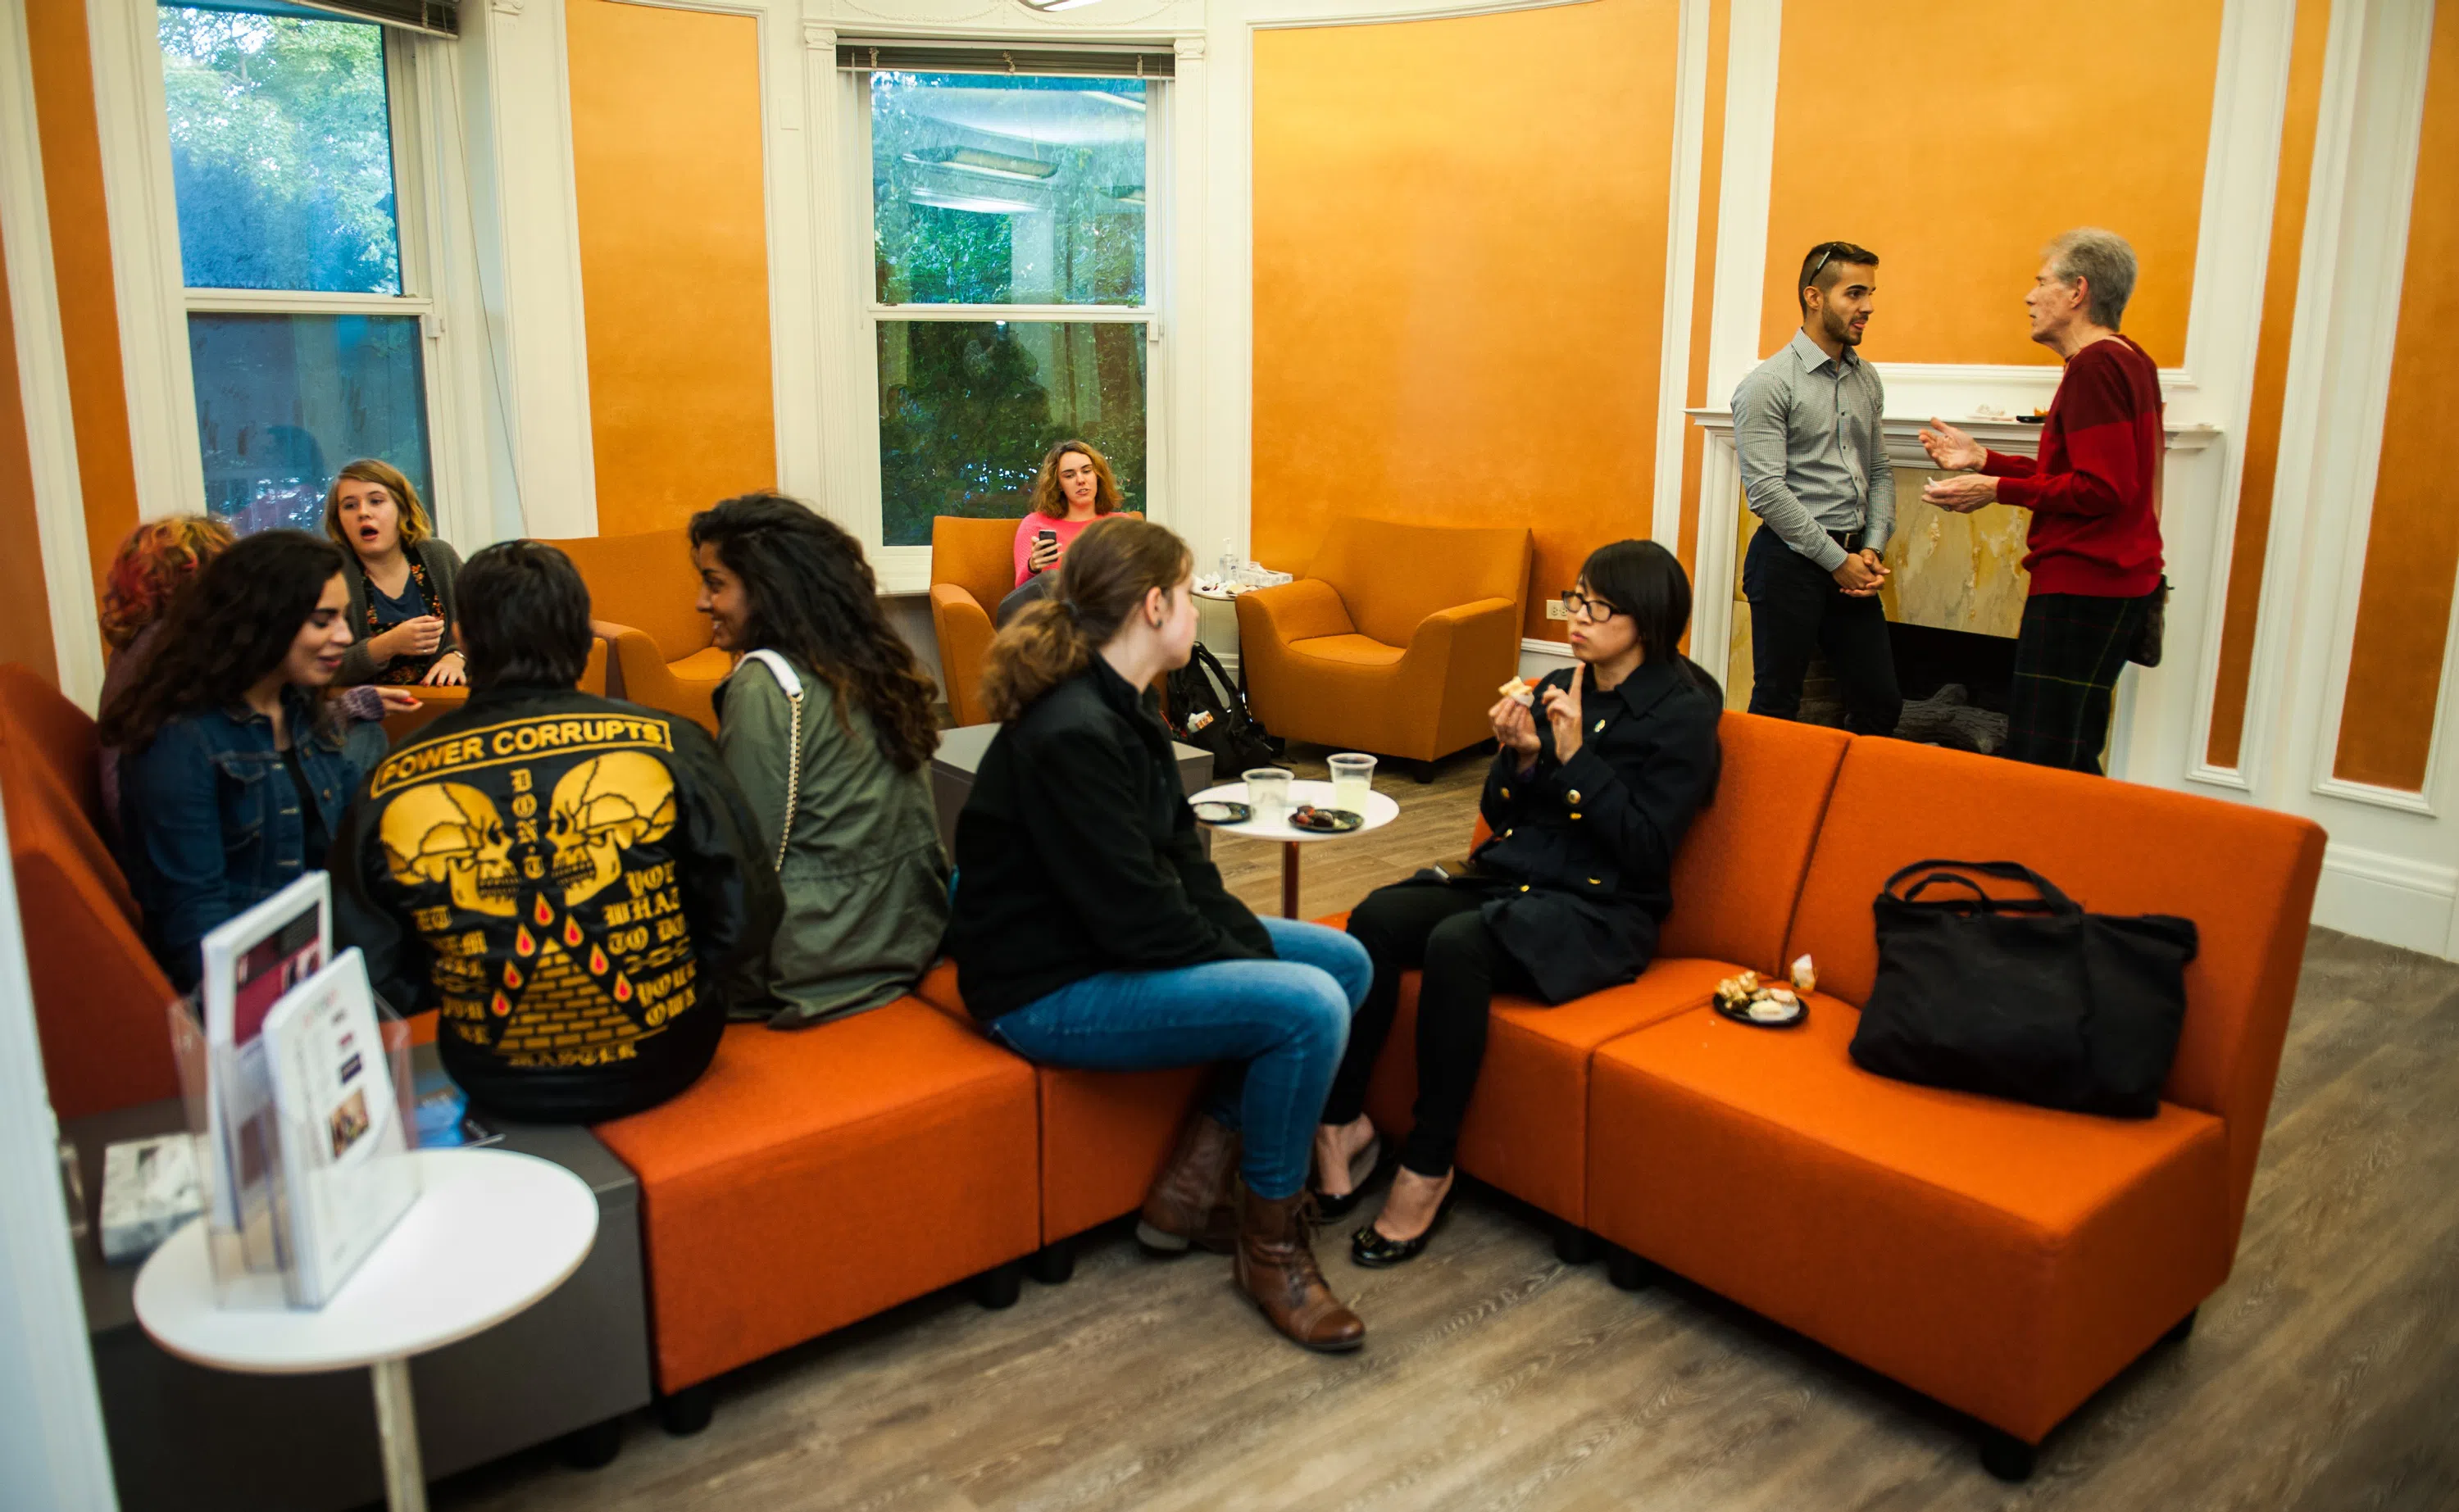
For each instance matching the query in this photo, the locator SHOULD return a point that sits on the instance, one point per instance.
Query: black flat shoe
(1370, 1249)
(1371, 1164)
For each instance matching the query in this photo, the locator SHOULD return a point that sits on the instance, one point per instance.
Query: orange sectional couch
(641, 592)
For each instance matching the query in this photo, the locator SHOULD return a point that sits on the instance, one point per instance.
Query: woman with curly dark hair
(826, 724)
(234, 772)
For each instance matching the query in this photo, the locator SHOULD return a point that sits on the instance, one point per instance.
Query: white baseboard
(1537, 658)
(2390, 898)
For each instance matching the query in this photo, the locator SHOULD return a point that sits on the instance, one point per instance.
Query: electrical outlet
(1554, 610)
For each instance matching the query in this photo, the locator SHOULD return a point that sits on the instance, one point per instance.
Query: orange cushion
(1528, 1129)
(1105, 1134)
(2244, 875)
(1739, 869)
(815, 1177)
(2003, 1259)
(56, 733)
(644, 580)
(708, 668)
(1350, 650)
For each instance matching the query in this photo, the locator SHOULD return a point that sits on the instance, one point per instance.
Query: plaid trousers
(2068, 655)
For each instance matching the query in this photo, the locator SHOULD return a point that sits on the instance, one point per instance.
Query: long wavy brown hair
(813, 597)
(1048, 498)
(233, 626)
(1102, 579)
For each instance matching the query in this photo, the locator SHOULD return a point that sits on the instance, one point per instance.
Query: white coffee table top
(492, 1233)
(1379, 811)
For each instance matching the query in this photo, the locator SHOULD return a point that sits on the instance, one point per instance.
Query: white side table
(492, 1233)
(1380, 811)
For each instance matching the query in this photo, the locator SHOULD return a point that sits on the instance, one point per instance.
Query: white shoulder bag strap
(784, 672)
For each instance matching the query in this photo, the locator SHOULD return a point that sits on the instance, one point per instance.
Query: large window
(305, 328)
(1010, 295)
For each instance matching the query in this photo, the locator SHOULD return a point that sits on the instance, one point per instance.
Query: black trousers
(1796, 607)
(1437, 928)
(1033, 590)
(2068, 655)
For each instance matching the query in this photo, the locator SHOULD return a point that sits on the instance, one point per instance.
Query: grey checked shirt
(1814, 458)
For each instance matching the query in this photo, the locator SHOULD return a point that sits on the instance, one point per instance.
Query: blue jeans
(1281, 1023)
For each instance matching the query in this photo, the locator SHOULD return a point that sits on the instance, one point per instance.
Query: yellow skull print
(449, 832)
(601, 809)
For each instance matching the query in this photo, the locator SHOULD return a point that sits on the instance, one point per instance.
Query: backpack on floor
(1207, 711)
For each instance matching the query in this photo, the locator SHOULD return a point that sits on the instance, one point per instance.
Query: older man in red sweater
(2095, 546)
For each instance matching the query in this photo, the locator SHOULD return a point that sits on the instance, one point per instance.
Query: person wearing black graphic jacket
(569, 880)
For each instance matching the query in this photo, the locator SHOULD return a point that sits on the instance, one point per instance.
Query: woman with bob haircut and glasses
(826, 725)
(1074, 487)
(1595, 783)
(1092, 931)
(402, 579)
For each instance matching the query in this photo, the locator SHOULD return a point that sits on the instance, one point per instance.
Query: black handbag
(2030, 999)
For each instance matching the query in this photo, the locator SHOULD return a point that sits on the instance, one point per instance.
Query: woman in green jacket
(825, 723)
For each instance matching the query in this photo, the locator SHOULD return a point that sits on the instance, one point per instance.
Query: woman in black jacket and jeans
(1587, 799)
(1090, 930)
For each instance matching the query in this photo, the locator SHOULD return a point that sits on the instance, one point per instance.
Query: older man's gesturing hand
(1951, 449)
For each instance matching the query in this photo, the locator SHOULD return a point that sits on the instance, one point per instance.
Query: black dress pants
(1436, 926)
(1795, 606)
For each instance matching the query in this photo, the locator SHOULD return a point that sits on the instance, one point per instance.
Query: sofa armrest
(1293, 611)
(1469, 648)
(640, 665)
(963, 629)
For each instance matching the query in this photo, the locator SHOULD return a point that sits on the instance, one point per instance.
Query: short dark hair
(524, 616)
(1824, 263)
(1646, 581)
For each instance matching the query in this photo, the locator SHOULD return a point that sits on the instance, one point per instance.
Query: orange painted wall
(2413, 546)
(674, 258)
(1937, 133)
(25, 606)
(71, 149)
(1459, 243)
(2270, 384)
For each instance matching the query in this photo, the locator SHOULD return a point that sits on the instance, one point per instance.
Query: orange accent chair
(99, 999)
(435, 702)
(972, 567)
(642, 589)
(1392, 640)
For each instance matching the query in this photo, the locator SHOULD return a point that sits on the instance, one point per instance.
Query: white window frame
(906, 569)
(156, 301)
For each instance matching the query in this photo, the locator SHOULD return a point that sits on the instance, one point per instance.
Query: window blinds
(437, 18)
(982, 57)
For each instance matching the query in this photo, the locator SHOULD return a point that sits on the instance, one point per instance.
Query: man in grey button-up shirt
(1807, 424)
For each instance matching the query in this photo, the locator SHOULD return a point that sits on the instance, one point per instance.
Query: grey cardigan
(443, 565)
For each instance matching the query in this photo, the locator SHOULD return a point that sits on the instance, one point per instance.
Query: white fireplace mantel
(2011, 437)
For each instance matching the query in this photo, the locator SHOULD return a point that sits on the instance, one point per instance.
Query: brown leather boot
(1191, 1202)
(1275, 1266)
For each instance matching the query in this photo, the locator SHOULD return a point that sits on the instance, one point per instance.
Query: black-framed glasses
(1597, 610)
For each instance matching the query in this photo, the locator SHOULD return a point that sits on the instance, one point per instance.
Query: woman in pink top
(1074, 487)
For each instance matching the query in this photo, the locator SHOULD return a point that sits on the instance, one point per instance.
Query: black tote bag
(2027, 998)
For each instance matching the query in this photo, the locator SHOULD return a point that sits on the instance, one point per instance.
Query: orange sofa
(435, 702)
(642, 590)
(972, 567)
(1392, 640)
(2006, 1260)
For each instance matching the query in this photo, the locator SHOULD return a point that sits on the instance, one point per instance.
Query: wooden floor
(2325, 1376)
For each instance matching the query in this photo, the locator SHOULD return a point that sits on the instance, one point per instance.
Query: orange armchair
(642, 589)
(1392, 641)
(972, 567)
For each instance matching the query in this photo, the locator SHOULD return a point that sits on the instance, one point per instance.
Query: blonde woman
(1074, 487)
(401, 581)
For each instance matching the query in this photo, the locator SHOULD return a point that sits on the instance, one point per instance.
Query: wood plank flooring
(2323, 1375)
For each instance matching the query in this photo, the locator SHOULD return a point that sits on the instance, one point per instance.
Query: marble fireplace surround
(1950, 572)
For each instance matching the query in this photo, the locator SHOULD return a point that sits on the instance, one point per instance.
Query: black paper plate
(1215, 811)
(1324, 821)
(1742, 1016)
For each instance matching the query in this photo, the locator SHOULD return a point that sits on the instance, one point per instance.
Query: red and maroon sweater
(2096, 525)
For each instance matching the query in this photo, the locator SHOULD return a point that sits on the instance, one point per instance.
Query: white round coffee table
(491, 1233)
(1380, 811)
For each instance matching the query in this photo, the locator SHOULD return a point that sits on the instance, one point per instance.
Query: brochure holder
(251, 1239)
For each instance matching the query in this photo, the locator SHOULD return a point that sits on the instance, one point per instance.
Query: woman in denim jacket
(236, 775)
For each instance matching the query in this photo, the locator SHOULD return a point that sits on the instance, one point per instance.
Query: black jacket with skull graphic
(569, 880)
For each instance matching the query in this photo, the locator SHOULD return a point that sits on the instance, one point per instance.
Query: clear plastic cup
(1353, 778)
(1268, 793)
